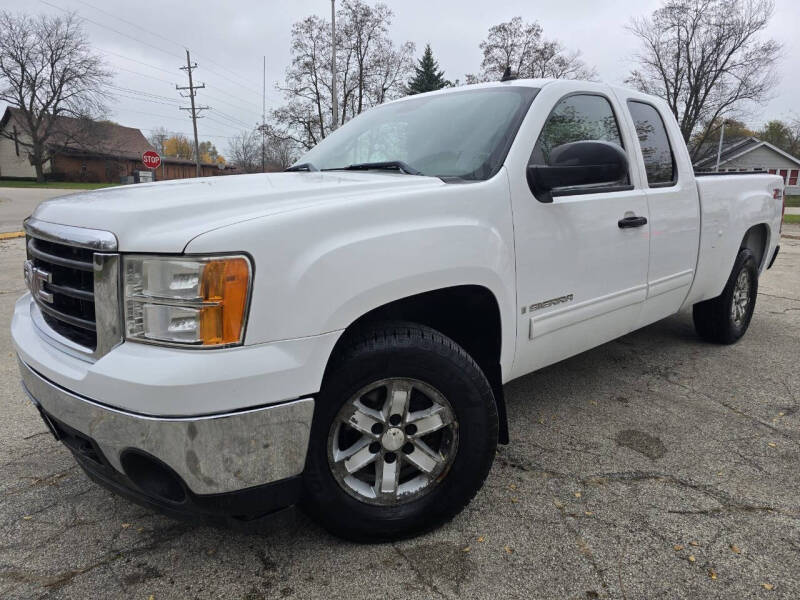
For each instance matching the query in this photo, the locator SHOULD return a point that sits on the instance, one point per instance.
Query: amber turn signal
(223, 289)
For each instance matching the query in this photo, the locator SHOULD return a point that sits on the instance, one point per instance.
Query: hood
(165, 216)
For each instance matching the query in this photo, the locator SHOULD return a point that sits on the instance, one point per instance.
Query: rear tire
(383, 391)
(725, 319)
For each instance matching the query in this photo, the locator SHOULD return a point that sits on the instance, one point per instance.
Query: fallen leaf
(140, 530)
(577, 494)
(772, 444)
(481, 539)
(712, 573)
(693, 543)
(509, 550)
(691, 558)
(557, 504)
(514, 500)
(466, 549)
(719, 473)
(513, 486)
(735, 549)
(210, 551)
(677, 547)
(780, 414)
(588, 513)
(541, 420)
(767, 586)
(151, 597)
(126, 525)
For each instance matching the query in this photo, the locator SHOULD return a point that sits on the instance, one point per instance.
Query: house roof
(85, 137)
(740, 147)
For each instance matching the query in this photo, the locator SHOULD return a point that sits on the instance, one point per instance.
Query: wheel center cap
(393, 439)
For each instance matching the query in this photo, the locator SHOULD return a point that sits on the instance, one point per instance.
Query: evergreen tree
(427, 76)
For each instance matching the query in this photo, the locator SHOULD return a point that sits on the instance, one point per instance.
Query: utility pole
(334, 99)
(719, 148)
(194, 109)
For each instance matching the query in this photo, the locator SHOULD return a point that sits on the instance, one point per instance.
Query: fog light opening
(152, 476)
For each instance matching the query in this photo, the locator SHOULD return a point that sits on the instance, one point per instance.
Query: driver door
(581, 272)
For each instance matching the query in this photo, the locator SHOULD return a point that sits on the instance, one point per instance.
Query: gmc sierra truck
(338, 335)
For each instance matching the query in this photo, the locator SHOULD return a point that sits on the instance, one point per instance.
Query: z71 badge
(546, 303)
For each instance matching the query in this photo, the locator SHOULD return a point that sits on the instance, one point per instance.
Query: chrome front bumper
(212, 454)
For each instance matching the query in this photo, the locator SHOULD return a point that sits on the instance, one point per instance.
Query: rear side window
(574, 119)
(659, 162)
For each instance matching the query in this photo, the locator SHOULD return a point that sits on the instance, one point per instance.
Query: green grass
(791, 218)
(56, 185)
(793, 201)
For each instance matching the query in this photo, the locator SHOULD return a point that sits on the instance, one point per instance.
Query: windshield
(463, 135)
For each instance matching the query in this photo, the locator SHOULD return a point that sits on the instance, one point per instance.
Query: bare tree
(370, 70)
(520, 47)
(158, 138)
(281, 150)
(244, 151)
(707, 60)
(48, 70)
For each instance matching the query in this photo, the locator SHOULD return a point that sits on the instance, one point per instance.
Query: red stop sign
(151, 159)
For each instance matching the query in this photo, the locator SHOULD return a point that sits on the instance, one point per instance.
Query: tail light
(776, 194)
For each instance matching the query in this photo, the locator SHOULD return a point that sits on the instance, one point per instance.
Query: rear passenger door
(673, 206)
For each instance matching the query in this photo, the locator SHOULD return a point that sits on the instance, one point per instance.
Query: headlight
(199, 301)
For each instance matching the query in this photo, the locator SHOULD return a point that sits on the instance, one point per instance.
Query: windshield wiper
(394, 165)
(303, 167)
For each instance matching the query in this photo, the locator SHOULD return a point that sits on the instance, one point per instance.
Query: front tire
(404, 433)
(725, 319)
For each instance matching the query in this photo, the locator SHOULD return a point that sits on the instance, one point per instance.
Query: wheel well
(467, 314)
(755, 239)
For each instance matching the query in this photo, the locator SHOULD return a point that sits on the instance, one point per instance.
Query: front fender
(318, 270)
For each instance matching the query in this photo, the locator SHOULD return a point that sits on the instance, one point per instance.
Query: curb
(10, 235)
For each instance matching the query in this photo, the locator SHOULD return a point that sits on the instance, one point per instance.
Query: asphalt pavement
(16, 204)
(655, 466)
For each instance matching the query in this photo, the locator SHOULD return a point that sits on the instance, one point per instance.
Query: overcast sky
(229, 39)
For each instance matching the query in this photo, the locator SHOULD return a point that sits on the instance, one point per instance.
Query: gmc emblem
(35, 278)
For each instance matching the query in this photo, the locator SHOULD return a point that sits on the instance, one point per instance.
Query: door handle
(629, 222)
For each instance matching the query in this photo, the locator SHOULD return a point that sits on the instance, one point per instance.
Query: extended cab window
(659, 162)
(576, 118)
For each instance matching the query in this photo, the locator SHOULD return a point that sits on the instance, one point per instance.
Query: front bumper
(210, 455)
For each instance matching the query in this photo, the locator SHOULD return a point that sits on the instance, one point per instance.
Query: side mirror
(577, 163)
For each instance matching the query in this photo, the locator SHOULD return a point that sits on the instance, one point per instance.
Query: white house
(752, 154)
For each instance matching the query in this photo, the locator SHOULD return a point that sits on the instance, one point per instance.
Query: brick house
(83, 150)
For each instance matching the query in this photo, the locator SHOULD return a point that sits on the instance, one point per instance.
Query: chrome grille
(74, 281)
(66, 296)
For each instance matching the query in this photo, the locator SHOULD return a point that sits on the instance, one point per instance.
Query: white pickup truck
(338, 335)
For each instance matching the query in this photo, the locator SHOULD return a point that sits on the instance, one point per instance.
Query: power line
(144, 75)
(221, 91)
(206, 135)
(111, 29)
(218, 122)
(231, 119)
(231, 104)
(141, 93)
(135, 60)
(171, 41)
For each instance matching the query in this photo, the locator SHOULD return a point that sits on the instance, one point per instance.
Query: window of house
(784, 173)
(581, 117)
(793, 177)
(659, 162)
